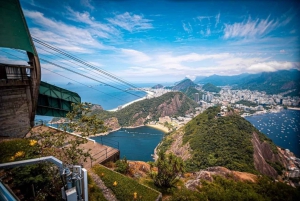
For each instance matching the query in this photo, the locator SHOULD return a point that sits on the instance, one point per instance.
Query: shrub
(124, 187)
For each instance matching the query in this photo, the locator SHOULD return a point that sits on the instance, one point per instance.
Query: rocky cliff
(138, 113)
(231, 142)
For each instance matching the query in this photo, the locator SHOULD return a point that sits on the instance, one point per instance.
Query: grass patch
(126, 187)
(95, 192)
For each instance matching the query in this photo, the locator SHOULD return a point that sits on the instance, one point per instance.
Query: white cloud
(87, 3)
(282, 51)
(208, 31)
(187, 27)
(253, 28)
(135, 56)
(61, 35)
(131, 22)
(272, 66)
(217, 19)
(98, 28)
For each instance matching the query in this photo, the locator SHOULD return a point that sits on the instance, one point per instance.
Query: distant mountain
(184, 84)
(69, 83)
(211, 88)
(158, 86)
(220, 80)
(199, 78)
(273, 82)
(138, 113)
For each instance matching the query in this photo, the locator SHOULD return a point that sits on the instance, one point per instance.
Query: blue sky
(165, 41)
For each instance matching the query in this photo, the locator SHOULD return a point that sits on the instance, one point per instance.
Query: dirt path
(108, 194)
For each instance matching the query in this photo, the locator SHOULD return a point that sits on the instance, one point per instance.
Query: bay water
(282, 127)
(134, 143)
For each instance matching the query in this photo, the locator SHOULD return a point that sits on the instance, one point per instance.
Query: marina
(282, 128)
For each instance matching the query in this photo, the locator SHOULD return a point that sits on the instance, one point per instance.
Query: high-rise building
(196, 97)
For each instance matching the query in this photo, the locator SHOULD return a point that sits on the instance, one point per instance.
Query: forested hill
(139, 113)
(191, 91)
(211, 88)
(228, 141)
(184, 84)
(274, 82)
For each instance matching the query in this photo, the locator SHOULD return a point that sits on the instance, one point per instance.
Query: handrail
(110, 142)
(104, 154)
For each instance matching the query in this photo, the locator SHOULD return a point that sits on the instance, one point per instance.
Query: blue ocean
(282, 128)
(134, 143)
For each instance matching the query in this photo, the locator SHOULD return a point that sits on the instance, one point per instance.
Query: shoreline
(159, 127)
(293, 108)
(126, 104)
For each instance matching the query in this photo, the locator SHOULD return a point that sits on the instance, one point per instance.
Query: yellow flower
(115, 183)
(32, 142)
(19, 154)
(12, 158)
(135, 195)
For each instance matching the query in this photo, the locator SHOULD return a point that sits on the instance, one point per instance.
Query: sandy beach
(125, 105)
(293, 108)
(159, 127)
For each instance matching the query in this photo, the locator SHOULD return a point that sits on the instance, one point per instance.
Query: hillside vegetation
(211, 88)
(190, 92)
(184, 84)
(274, 82)
(219, 141)
(138, 113)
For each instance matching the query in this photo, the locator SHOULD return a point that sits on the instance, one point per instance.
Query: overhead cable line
(84, 84)
(80, 61)
(88, 77)
(83, 75)
(80, 65)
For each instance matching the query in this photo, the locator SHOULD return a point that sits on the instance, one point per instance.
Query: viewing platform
(100, 153)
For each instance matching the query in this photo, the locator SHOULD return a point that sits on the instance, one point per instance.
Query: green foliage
(95, 193)
(141, 109)
(184, 84)
(211, 88)
(41, 180)
(9, 148)
(166, 142)
(122, 166)
(81, 121)
(169, 169)
(190, 92)
(125, 186)
(227, 189)
(274, 82)
(220, 141)
(246, 103)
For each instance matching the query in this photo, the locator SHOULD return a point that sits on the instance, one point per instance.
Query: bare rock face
(167, 108)
(112, 123)
(139, 122)
(177, 148)
(262, 154)
(208, 173)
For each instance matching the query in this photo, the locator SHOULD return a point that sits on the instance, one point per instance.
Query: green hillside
(190, 92)
(184, 84)
(274, 82)
(220, 141)
(211, 88)
(169, 104)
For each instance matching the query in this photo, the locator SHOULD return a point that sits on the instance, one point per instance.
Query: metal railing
(109, 142)
(103, 152)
